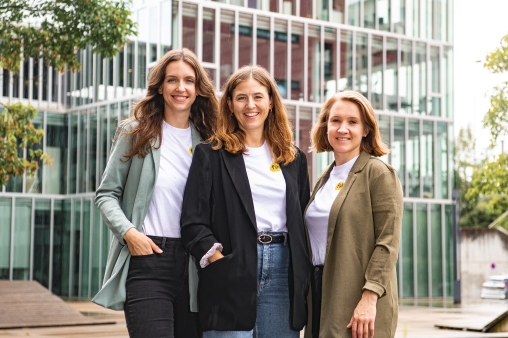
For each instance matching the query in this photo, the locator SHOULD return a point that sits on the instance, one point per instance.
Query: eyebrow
(185, 77)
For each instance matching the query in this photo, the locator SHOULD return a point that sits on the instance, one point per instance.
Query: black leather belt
(270, 238)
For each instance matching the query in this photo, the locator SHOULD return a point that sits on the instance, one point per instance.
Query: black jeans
(157, 294)
(316, 286)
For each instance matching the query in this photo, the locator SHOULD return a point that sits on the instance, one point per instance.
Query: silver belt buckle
(265, 239)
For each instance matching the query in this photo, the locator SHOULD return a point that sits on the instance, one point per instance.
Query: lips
(179, 98)
(251, 114)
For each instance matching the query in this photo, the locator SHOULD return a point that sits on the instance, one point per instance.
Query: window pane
(208, 34)
(83, 151)
(362, 70)
(406, 76)
(245, 40)
(399, 16)
(104, 141)
(165, 30)
(322, 10)
(377, 72)
(337, 11)
(442, 162)
(289, 7)
(314, 64)
(92, 156)
(306, 8)
(420, 69)
(189, 24)
(34, 183)
(383, 14)
(263, 42)
(280, 57)
(96, 251)
(422, 251)
(297, 59)
(449, 250)
(22, 238)
(42, 233)
(436, 250)
(304, 141)
(76, 243)
(330, 63)
(391, 75)
(85, 251)
(407, 253)
(384, 129)
(428, 159)
(346, 60)
(56, 146)
(227, 44)
(5, 236)
(413, 163)
(398, 150)
(369, 13)
(73, 152)
(61, 247)
(353, 12)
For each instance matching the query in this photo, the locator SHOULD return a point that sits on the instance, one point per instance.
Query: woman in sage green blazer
(354, 221)
(140, 199)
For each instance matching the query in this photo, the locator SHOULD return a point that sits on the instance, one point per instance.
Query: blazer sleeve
(387, 208)
(195, 221)
(303, 181)
(109, 194)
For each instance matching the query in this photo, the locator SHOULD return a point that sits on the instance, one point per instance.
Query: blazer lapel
(339, 200)
(236, 169)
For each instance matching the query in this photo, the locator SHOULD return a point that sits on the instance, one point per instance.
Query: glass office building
(398, 53)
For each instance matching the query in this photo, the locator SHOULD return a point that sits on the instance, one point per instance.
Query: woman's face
(178, 88)
(250, 103)
(345, 130)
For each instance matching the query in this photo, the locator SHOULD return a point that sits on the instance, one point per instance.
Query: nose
(250, 103)
(180, 86)
(342, 128)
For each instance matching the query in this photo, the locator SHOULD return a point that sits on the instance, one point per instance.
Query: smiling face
(345, 129)
(250, 103)
(178, 88)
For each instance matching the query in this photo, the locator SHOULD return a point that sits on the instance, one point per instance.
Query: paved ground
(414, 322)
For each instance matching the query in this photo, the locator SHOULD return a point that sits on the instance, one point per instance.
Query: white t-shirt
(268, 188)
(163, 216)
(318, 212)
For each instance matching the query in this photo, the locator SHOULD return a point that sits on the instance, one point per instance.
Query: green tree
(496, 118)
(51, 30)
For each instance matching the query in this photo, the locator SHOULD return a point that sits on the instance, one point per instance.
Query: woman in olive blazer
(356, 251)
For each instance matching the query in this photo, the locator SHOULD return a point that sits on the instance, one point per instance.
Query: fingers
(154, 246)
(371, 329)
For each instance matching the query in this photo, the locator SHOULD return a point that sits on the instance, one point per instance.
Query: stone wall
(480, 249)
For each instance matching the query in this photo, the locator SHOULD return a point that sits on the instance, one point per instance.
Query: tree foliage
(496, 118)
(18, 132)
(55, 29)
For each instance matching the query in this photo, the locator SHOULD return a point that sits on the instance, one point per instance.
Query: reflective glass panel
(384, 129)
(61, 247)
(391, 75)
(306, 8)
(406, 76)
(297, 61)
(83, 150)
(407, 252)
(208, 34)
(369, 13)
(448, 251)
(420, 69)
(436, 245)
(314, 64)
(398, 150)
(280, 57)
(56, 145)
(427, 166)
(73, 152)
(189, 25)
(263, 42)
(330, 63)
(22, 238)
(85, 251)
(353, 12)
(42, 235)
(34, 183)
(362, 68)
(448, 82)
(413, 161)
(422, 251)
(442, 162)
(346, 60)
(377, 72)
(227, 44)
(338, 7)
(383, 14)
(435, 78)
(142, 71)
(5, 236)
(76, 244)
(95, 250)
(104, 140)
(305, 126)
(245, 40)
(399, 16)
(289, 7)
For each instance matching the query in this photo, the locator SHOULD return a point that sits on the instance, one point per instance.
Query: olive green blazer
(362, 247)
(123, 198)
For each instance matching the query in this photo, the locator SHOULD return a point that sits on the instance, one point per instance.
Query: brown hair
(371, 143)
(149, 111)
(277, 130)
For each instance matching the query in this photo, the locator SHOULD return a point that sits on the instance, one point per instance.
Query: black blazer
(218, 208)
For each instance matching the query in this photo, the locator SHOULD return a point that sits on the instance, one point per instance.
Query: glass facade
(398, 53)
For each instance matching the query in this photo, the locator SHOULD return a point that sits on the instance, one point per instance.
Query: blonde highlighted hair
(277, 130)
(371, 143)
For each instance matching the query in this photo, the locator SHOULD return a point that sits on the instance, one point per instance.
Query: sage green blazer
(123, 198)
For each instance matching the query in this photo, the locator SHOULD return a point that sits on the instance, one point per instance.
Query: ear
(366, 132)
(160, 90)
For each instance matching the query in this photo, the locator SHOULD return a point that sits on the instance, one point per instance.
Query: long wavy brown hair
(149, 111)
(277, 130)
(372, 143)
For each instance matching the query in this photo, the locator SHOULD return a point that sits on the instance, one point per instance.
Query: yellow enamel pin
(339, 185)
(274, 167)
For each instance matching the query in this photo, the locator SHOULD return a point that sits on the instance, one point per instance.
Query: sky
(478, 29)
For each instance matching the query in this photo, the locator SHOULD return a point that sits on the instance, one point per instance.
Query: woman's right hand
(139, 244)
(216, 256)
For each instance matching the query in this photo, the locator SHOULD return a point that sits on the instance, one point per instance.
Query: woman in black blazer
(242, 216)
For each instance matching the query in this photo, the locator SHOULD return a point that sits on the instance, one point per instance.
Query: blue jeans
(273, 318)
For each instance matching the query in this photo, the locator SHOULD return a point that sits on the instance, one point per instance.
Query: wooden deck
(26, 304)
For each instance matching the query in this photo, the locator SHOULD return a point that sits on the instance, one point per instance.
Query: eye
(240, 98)
(190, 80)
(353, 122)
(258, 97)
(171, 80)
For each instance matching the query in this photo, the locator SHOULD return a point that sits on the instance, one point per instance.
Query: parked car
(496, 287)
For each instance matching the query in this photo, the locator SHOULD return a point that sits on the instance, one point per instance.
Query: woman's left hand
(362, 322)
